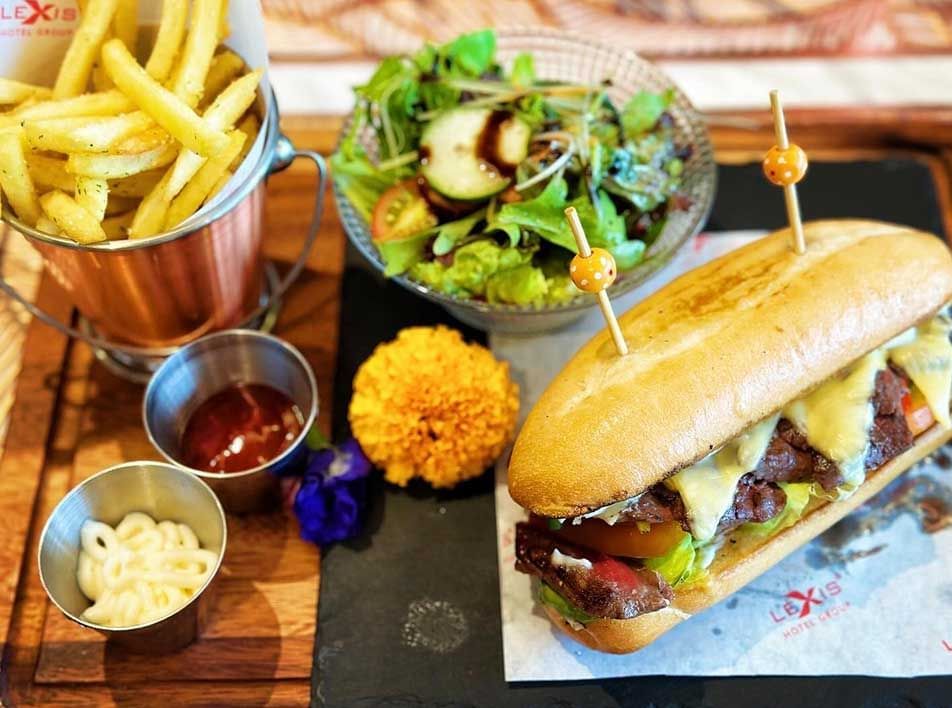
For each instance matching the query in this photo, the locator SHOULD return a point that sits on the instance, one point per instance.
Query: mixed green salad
(476, 166)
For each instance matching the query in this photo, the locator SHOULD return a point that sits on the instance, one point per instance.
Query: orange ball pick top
(595, 272)
(785, 167)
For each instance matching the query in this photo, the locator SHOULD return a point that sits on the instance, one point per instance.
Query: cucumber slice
(471, 153)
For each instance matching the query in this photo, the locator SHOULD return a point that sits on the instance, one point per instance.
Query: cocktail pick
(592, 271)
(785, 165)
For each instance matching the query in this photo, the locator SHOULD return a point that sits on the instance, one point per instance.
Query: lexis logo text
(803, 609)
(32, 12)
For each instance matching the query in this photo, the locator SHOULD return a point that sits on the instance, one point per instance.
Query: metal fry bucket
(141, 299)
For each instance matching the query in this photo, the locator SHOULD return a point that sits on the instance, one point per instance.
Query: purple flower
(330, 500)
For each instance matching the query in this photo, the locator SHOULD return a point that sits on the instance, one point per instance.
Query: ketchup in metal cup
(240, 427)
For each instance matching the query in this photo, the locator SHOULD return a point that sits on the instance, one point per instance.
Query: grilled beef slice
(610, 588)
(657, 505)
(789, 457)
(754, 500)
(890, 435)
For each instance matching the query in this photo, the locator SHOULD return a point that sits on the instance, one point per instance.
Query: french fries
(118, 226)
(150, 216)
(168, 39)
(72, 219)
(220, 184)
(15, 177)
(115, 149)
(125, 24)
(221, 115)
(200, 187)
(166, 109)
(142, 142)
(78, 63)
(120, 205)
(107, 103)
(14, 92)
(249, 125)
(84, 134)
(93, 196)
(226, 66)
(138, 185)
(106, 166)
(50, 173)
(100, 79)
(46, 225)
(199, 48)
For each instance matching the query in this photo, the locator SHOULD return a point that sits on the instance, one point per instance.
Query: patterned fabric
(318, 30)
(21, 267)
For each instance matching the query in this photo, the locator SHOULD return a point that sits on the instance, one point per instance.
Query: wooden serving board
(72, 418)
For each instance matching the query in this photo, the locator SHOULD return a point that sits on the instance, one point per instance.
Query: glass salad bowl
(568, 57)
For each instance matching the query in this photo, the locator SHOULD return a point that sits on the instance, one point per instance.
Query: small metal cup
(160, 490)
(203, 368)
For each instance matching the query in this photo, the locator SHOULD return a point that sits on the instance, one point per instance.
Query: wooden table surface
(71, 417)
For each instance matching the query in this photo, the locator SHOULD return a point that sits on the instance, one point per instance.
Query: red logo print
(32, 14)
(40, 12)
(803, 610)
(807, 600)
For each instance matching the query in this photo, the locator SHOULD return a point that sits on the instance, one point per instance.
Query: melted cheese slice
(837, 416)
(707, 488)
(927, 360)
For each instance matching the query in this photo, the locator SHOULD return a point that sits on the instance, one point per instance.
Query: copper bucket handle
(284, 154)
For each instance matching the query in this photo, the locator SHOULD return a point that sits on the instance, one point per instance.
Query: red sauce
(239, 428)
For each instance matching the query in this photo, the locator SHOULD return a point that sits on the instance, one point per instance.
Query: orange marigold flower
(430, 405)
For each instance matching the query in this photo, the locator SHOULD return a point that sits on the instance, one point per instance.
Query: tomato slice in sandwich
(919, 417)
(624, 539)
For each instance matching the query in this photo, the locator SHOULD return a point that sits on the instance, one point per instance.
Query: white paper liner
(872, 596)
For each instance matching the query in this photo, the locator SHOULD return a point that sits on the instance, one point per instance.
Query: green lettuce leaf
(400, 256)
(543, 214)
(525, 285)
(393, 91)
(628, 254)
(473, 52)
(523, 71)
(684, 564)
(451, 233)
(473, 266)
(560, 289)
(431, 274)
(511, 230)
(676, 565)
(361, 182)
(642, 111)
(798, 496)
(354, 173)
(548, 596)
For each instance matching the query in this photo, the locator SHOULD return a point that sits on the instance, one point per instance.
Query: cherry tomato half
(400, 212)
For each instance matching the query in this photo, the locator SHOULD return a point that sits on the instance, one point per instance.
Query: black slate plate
(394, 603)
